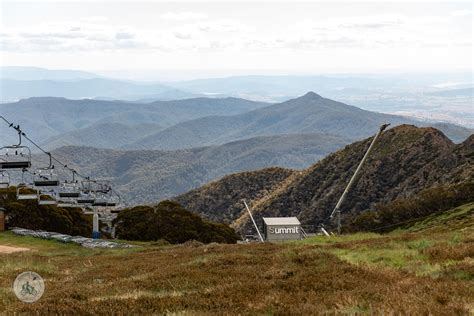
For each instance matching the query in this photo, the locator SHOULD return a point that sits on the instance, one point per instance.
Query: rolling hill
(50, 117)
(77, 89)
(148, 176)
(36, 73)
(26, 82)
(194, 122)
(102, 135)
(310, 113)
(406, 160)
(222, 199)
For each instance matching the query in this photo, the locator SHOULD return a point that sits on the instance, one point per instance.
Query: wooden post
(2, 220)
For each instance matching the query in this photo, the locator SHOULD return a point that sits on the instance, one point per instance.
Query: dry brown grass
(227, 279)
(445, 251)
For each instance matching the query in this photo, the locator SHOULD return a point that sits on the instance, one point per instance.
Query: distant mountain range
(292, 85)
(405, 161)
(26, 82)
(36, 73)
(147, 176)
(42, 82)
(422, 96)
(310, 113)
(52, 117)
(197, 122)
(78, 89)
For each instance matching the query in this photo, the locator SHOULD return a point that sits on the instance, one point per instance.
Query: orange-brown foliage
(235, 279)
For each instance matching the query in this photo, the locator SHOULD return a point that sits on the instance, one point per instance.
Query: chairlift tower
(253, 221)
(337, 210)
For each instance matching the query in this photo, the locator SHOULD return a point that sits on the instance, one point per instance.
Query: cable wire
(65, 166)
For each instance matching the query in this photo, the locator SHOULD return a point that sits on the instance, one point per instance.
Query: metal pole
(337, 210)
(324, 231)
(250, 213)
(95, 225)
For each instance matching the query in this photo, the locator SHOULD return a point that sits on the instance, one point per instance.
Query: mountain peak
(311, 95)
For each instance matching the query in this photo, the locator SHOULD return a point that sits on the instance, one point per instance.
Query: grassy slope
(427, 267)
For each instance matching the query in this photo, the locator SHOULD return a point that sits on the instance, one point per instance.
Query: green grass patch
(458, 217)
(325, 240)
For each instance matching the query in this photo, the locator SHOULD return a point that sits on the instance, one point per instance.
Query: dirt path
(8, 249)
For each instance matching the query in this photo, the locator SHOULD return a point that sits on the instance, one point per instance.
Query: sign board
(282, 228)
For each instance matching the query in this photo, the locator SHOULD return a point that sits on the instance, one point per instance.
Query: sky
(133, 37)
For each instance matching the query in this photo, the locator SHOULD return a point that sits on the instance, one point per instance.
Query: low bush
(28, 214)
(169, 221)
(401, 211)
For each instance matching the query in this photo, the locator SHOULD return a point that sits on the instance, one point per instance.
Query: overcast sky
(316, 37)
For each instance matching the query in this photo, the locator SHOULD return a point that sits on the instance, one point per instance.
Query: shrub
(169, 221)
(391, 215)
(28, 214)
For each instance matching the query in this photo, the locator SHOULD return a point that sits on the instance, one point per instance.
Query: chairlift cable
(63, 165)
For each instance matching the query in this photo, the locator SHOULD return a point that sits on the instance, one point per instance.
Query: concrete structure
(282, 228)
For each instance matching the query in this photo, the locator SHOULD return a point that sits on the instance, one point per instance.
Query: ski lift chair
(68, 193)
(87, 195)
(46, 177)
(4, 180)
(109, 199)
(25, 190)
(101, 200)
(100, 186)
(70, 189)
(15, 156)
(86, 199)
(47, 198)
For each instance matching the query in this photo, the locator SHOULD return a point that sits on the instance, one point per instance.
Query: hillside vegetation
(424, 271)
(28, 214)
(46, 117)
(171, 222)
(193, 122)
(102, 135)
(166, 221)
(150, 176)
(226, 194)
(403, 211)
(405, 161)
(310, 113)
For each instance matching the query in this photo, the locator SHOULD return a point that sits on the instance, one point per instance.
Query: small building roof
(281, 221)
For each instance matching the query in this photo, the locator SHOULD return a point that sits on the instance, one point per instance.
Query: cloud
(124, 36)
(69, 36)
(183, 16)
(461, 13)
(360, 32)
(95, 19)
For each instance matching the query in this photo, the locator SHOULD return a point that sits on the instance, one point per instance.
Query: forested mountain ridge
(309, 113)
(48, 117)
(148, 176)
(405, 161)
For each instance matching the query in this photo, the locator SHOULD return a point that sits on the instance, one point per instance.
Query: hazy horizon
(172, 75)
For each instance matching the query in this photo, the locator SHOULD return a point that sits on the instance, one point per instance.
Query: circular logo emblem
(28, 287)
